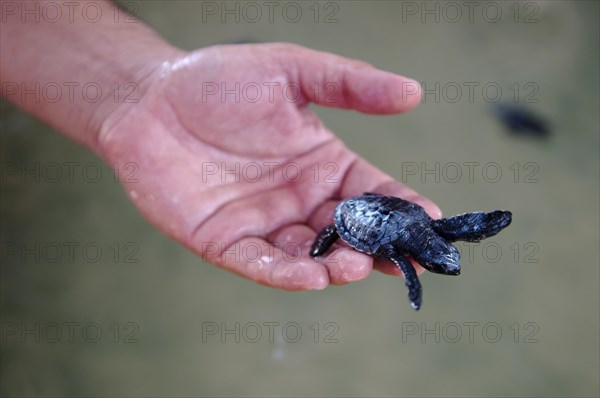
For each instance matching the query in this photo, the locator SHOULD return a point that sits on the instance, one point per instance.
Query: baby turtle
(520, 121)
(392, 228)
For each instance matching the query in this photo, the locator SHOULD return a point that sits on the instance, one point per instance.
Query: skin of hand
(230, 159)
(233, 163)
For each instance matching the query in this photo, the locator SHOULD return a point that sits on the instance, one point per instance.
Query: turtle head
(439, 256)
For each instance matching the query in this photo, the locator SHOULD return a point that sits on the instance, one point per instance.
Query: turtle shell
(370, 222)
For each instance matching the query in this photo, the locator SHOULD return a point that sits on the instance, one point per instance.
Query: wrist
(75, 73)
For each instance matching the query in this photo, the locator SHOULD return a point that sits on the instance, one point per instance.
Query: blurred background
(132, 313)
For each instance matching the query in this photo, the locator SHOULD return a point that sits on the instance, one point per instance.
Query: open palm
(234, 165)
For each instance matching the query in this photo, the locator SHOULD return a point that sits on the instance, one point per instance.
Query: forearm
(74, 71)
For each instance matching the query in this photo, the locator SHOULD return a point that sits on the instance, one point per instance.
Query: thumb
(331, 80)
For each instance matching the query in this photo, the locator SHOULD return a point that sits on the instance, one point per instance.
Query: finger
(323, 215)
(346, 265)
(362, 177)
(339, 82)
(294, 239)
(254, 214)
(389, 268)
(343, 264)
(258, 260)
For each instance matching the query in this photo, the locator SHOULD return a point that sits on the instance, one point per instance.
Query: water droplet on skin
(133, 194)
(266, 259)
(263, 261)
(168, 67)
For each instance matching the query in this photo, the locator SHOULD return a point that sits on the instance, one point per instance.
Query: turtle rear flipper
(472, 227)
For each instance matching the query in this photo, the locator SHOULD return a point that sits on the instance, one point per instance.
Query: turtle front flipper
(472, 227)
(324, 240)
(411, 280)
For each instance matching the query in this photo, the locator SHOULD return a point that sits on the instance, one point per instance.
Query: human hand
(247, 182)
